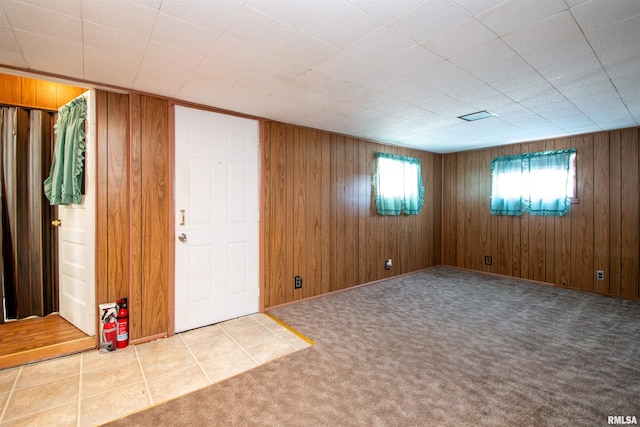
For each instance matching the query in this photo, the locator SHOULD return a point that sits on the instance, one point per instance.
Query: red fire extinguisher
(122, 338)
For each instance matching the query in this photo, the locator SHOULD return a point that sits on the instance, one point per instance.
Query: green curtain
(398, 185)
(507, 182)
(538, 183)
(64, 184)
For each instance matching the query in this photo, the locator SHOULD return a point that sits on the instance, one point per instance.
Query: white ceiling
(395, 71)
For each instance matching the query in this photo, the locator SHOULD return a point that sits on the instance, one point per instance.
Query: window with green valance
(398, 184)
(538, 183)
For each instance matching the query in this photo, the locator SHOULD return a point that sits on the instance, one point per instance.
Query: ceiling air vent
(477, 116)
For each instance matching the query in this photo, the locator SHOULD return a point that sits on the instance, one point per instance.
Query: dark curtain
(29, 260)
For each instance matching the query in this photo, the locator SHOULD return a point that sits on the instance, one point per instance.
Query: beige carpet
(442, 347)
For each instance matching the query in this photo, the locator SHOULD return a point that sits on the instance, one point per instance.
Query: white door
(216, 218)
(76, 243)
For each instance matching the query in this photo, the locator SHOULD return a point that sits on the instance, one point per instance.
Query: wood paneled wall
(33, 93)
(600, 232)
(133, 212)
(319, 215)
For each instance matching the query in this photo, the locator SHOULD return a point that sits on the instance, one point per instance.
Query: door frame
(171, 230)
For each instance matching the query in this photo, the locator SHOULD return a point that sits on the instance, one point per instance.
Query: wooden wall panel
(600, 232)
(41, 94)
(117, 194)
(582, 217)
(536, 237)
(337, 239)
(449, 168)
(134, 208)
(563, 236)
(135, 168)
(630, 201)
(550, 237)
(615, 206)
(601, 218)
(157, 190)
(10, 89)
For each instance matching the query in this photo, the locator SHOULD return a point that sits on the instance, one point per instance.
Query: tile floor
(91, 388)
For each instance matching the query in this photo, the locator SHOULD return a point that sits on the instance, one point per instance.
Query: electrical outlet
(387, 264)
(599, 274)
(297, 282)
(488, 260)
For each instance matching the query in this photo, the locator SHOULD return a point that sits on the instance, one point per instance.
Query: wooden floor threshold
(47, 352)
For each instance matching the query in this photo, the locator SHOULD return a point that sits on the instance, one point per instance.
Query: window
(398, 185)
(539, 183)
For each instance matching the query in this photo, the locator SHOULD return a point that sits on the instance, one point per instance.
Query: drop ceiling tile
(71, 8)
(459, 38)
(259, 30)
(385, 11)
(556, 109)
(9, 50)
(340, 24)
(411, 61)
(305, 50)
(565, 66)
(602, 101)
(8, 39)
(256, 83)
(599, 13)
(212, 15)
(36, 20)
(393, 85)
(491, 62)
(573, 3)
(166, 85)
(4, 21)
(445, 77)
(317, 89)
(280, 69)
(517, 14)
(209, 81)
(108, 39)
(596, 87)
(153, 4)
(476, 7)
(177, 33)
(246, 101)
(293, 12)
(548, 41)
(121, 15)
(581, 78)
(52, 55)
(236, 53)
(538, 95)
(617, 42)
(379, 45)
(436, 102)
(517, 82)
(627, 83)
(345, 67)
(429, 19)
(109, 67)
(169, 58)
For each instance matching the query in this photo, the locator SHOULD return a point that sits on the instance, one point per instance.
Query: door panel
(76, 243)
(217, 196)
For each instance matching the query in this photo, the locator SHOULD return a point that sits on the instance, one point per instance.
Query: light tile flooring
(91, 388)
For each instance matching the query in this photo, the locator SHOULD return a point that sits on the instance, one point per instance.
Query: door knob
(182, 237)
(56, 222)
